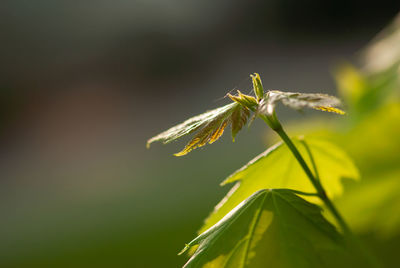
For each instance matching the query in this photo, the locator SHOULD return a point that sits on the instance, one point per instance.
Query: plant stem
(277, 127)
(372, 261)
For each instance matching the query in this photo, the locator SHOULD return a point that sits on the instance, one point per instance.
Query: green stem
(372, 261)
(277, 127)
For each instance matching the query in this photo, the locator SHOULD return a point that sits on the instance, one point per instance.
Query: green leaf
(271, 228)
(374, 205)
(257, 86)
(239, 119)
(299, 101)
(247, 101)
(210, 126)
(366, 92)
(277, 168)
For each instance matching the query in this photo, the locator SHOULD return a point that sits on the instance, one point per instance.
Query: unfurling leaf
(239, 119)
(257, 86)
(299, 101)
(245, 100)
(271, 228)
(277, 168)
(210, 126)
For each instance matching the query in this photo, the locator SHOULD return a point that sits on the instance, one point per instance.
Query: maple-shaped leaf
(271, 228)
(210, 127)
(299, 101)
(277, 168)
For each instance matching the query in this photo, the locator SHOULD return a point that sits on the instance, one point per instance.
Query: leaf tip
(225, 182)
(181, 153)
(330, 109)
(184, 249)
(232, 97)
(244, 100)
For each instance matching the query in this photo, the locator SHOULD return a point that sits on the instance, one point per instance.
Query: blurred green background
(84, 85)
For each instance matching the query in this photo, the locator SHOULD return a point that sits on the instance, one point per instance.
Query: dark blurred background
(84, 84)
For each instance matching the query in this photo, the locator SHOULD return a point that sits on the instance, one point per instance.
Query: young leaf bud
(257, 86)
(245, 100)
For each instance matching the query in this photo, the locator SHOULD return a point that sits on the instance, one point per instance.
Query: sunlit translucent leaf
(299, 101)
(210, 126)
(366, 92)
(191, 125)
(373, 204)
(351, 83)
(271, 228)
(277, 168)
(378, 81)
